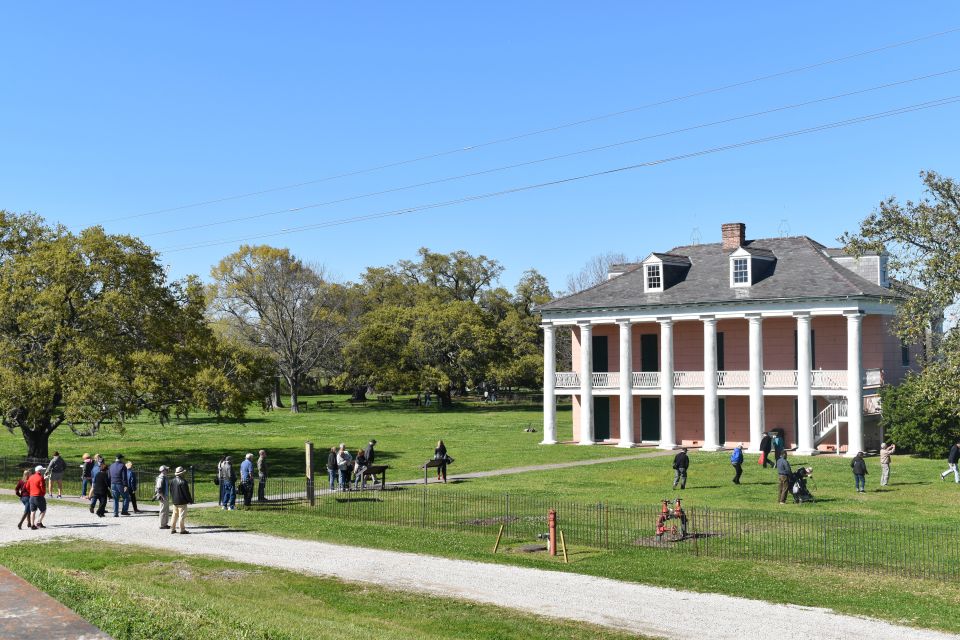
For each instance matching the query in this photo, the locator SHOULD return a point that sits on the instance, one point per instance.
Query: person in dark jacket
(369, 453)
(859, 466)
(766, 443)
(24, 495)
(132, 483)
(86, 475)
(440, 453)
(180, 497)
(681, 462)
(332, 468)
(118, 484)
(785, 475)
(953, 458)
(101, 490)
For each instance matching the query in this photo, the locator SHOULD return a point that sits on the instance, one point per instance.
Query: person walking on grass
(332, 468)
(262, 476)
(681, 462)
(86, 475)
(784, 474)
(246, 479)
(766, 443)
(118, 484)
(885, 452)
(181, 498)
(24, 495)
(953, 458)
(778, 444)
(736, 459)
(100, 492)
(440, 453)
(859, 466)
(161, 493)
(228, 485)
(37, 489)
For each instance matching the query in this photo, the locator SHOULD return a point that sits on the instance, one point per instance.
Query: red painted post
(552, 522)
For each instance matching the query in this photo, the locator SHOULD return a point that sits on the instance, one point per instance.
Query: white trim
(647, 266)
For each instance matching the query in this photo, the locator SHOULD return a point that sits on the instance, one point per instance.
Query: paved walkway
(637, 608)
(26, 613)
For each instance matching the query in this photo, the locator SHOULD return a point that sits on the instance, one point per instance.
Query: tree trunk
(37, 443)
(359, 393)
(294, 392)
(275, 394)
(445, 401)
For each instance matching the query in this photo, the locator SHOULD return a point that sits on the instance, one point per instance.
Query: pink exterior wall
(778, 413)
(737, 412)
(688, 346)
(736, 346)
(778, 343)
(830, 342)
(689, 420)
(639, 329)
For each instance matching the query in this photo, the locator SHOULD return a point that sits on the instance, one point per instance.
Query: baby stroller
(798, 485)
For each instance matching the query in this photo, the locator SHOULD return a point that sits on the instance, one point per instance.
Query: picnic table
(375, 470)
(324, 404)
(301, 405)
(431, 464)
(384, 397)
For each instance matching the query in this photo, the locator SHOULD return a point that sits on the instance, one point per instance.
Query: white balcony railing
(646, 380)
(728, 379)
(780, 379)
(828, 379)
(567, 380)
(605, 379)
(688, 379)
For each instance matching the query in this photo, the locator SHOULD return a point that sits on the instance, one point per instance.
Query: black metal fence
(922, 551)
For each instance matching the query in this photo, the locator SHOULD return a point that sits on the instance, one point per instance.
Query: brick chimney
(734, 235)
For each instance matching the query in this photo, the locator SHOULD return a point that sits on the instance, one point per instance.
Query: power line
(703, 152)
(570, 154)
(528, 134)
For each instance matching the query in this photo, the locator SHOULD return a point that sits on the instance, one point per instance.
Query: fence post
(506, 517)
(308, 451)
(423, 508)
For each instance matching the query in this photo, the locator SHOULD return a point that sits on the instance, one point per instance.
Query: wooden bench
(430, 464)
(384, 397)
(324, 404)
(301, 405)
(356, 400)
(375, 470)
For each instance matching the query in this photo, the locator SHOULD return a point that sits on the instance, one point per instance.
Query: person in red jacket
(21, 492)
(37, 489)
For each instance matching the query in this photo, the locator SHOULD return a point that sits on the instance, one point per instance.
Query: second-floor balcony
(821, 380)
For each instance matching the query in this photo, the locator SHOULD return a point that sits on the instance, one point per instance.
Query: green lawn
(140, 594)
(922, 603)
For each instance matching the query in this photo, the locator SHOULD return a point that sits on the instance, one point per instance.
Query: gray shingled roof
(801, 271)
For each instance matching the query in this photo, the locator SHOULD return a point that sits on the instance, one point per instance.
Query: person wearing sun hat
(37, 489)
(181, 498)
(161, 494)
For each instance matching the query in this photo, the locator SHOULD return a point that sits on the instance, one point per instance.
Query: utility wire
(570, 154)
(537, 132)
(695, 154)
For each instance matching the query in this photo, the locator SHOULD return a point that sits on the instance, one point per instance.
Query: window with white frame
(741, 271)
(654, 279)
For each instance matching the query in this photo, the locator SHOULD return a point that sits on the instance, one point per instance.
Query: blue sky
(115, 110)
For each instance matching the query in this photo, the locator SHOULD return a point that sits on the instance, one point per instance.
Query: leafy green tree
(917, 420)
(90, 330)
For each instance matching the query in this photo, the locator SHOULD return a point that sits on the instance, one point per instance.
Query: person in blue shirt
(736, 459)
(132, 482)
(118, 486)
(246, 479)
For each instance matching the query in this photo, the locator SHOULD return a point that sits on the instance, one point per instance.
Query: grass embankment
(140, 594)
(922, 603)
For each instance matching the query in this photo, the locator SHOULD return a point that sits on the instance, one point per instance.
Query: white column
(668, 430)
(854, 385)
(586, 383)
(804, 395)
(711, 425)
(756, 381)
(549, 384)
(626, 383)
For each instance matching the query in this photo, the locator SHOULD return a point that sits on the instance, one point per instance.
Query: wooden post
(308, 450)
(497, 543)
(552, 524)
(563, 545)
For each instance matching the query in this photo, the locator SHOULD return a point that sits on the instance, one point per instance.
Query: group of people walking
(227, 478)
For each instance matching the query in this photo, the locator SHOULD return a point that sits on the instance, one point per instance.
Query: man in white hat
(162, 494)
(37, 489)
(180, 497)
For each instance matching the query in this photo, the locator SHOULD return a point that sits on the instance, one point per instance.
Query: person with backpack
(736, 459)
(681, 462)
(778, 444)
(181, 498)
(859, 466)
(766, 443)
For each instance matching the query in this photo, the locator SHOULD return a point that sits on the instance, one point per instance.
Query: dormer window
(654, 278)
(741, 271)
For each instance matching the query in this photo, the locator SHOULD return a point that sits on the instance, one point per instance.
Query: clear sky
(113, 110)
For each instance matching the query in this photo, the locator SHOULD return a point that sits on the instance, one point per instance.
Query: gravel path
(641, 609)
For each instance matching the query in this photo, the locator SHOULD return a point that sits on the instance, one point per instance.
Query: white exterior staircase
(829, 421)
